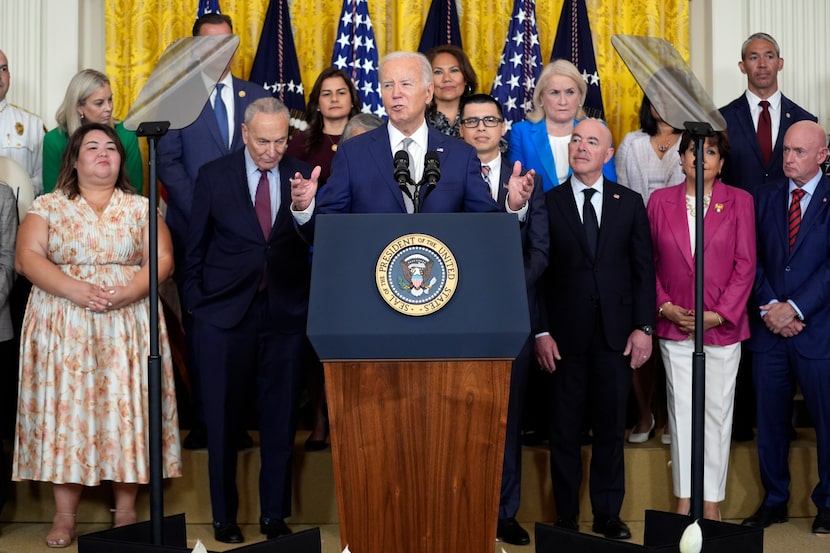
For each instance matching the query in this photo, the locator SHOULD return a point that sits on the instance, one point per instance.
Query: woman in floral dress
(82, 415)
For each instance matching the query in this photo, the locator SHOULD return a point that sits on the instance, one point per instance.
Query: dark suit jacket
(362, 178)
(181, 152)
(801, 275)
(745, 167)
(620, 281)
(226, 252)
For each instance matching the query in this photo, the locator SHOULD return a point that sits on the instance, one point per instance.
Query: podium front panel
(486, 318)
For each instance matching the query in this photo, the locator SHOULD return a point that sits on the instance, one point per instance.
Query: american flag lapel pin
(440, 150)
(616, 196)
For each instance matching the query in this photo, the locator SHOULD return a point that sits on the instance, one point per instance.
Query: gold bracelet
(660, 310)
(720, 319)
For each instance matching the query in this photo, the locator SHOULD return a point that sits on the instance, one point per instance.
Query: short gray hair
(363, 121)
(269, 104)
(426, 67)
(760, 36)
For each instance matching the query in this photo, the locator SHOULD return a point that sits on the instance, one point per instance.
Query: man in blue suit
(362, 174)
(747, 168)
(791, 321)
(246, 286)
(181, 152)
(482, 126)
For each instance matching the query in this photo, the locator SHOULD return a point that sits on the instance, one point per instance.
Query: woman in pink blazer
(729, 250)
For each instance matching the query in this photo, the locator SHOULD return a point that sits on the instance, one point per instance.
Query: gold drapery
(137, 31)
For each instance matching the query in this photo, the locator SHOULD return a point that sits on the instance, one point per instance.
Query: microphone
(432, 172)
(402, 168)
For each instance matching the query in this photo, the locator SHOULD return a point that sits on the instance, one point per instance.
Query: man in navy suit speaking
(362, 174)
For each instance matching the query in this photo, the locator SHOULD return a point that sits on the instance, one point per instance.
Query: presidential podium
(417, 319)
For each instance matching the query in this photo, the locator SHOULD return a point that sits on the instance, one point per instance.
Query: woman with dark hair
(729, 257)
(647, 160)
(82, 416)
(332, 102)
(454, 78)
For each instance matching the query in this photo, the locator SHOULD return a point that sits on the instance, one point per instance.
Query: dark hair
(470, 77)
(211, 19)
(464, 64)
(647, 121)
(314, 133)
(720, 140)
(481, 99)
(68, 174)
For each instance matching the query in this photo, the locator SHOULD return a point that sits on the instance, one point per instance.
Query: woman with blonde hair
(541, 142)
(88, 99)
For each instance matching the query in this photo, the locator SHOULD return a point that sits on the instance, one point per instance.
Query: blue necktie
(221, 112)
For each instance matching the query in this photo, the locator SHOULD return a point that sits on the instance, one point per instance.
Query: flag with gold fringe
(519, 66)
(355, 53)
(574, 43)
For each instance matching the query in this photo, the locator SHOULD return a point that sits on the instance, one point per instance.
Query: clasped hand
(782, 318)
(99, 298)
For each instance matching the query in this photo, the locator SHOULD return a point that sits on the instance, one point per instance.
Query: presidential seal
(416, 274)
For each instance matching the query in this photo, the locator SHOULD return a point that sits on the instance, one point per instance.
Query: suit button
(787, 269)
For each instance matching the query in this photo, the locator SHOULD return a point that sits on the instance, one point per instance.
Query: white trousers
(721, 371)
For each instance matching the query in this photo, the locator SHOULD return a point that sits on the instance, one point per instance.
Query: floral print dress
(82, 416)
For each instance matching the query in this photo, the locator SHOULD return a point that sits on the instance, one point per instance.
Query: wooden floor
(25, 519)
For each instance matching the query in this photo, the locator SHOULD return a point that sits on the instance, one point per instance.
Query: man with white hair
(362, 174)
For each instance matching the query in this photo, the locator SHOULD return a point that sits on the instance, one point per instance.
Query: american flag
(441, 26)
(519, 66)
(207, 6)
(275, 65)
(356, 54)
(574, 43)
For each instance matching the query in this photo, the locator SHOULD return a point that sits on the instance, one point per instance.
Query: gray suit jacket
(8, 236)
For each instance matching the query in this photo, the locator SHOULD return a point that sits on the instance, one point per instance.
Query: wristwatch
(648, 330)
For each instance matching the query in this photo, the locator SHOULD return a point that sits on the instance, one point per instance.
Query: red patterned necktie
(794, 215)
(485, 174)
(765, 132)
(262, 204)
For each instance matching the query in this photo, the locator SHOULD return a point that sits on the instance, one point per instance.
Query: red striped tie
(764, 132)
(794, 215)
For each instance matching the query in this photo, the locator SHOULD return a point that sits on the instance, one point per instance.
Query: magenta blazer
(729, 259)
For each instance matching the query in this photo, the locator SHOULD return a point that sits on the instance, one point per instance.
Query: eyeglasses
(489, 121)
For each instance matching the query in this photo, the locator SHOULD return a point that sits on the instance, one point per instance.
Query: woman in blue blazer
(541, 142)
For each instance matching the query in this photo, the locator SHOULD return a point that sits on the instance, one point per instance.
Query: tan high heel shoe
(61, 535)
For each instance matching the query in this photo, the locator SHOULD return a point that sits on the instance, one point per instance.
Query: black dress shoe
(273, 527)
(821, 525)
(567, 524)
(227, 532)
(765, 516)
(612, 528)
(315, 445)
(509, 531)
(196, 438)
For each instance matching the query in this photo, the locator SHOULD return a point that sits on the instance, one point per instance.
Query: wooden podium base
(418, 448)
